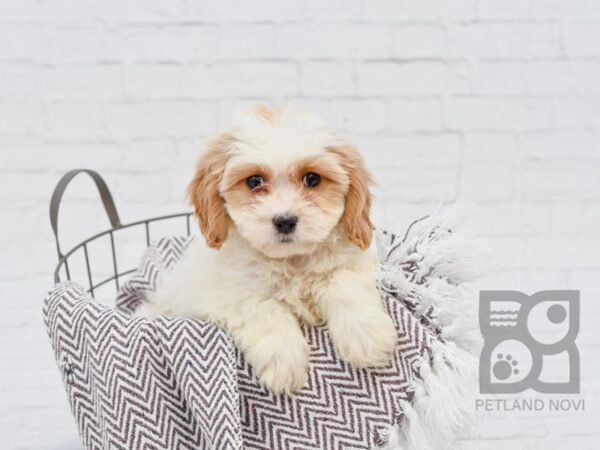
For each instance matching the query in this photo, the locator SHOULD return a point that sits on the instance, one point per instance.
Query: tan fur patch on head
(356, 221)
(203, 191)
(265, 112)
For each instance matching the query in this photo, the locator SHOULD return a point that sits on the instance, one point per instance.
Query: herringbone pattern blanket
(180, 384)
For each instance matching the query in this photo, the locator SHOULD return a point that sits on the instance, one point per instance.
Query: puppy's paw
(365, 340)
(281, 365)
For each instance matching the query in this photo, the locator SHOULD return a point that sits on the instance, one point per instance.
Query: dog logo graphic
(529, 342)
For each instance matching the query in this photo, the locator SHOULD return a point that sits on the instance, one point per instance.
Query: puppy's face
(284, 207)
(285, 181)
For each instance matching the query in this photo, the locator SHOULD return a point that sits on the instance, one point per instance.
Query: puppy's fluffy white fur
(260, 283)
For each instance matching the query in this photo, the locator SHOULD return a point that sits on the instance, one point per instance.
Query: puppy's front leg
(361, 330)
(271, 339)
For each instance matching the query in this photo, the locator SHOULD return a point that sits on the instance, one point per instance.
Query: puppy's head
(284, 180)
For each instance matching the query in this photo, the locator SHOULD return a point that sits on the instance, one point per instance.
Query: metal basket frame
(116, 225)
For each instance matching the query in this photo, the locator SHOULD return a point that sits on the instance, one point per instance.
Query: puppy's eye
(254, 181)
(311, 179)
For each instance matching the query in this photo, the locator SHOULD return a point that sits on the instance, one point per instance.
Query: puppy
(283, 203)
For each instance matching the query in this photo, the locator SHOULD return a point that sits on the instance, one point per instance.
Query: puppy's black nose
(285, 224)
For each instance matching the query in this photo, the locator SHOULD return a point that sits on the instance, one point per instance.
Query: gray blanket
(177, 383)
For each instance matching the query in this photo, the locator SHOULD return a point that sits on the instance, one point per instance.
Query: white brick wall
(492, 101)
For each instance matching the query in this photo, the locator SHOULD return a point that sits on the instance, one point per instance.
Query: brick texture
(496, 102)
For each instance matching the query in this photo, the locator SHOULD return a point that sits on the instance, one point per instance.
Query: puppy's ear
(203, 191)
(355, 220)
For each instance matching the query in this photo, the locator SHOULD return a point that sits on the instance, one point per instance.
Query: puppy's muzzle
(285, 224)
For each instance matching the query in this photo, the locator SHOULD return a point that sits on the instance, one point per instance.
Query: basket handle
(105, 195)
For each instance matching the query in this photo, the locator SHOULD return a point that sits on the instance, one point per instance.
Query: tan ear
(203, 191)
(355, 221)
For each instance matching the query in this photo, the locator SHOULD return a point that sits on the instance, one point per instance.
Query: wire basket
(116, 227)
(209, 396)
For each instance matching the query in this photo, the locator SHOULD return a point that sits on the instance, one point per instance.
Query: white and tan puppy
(283, 203)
